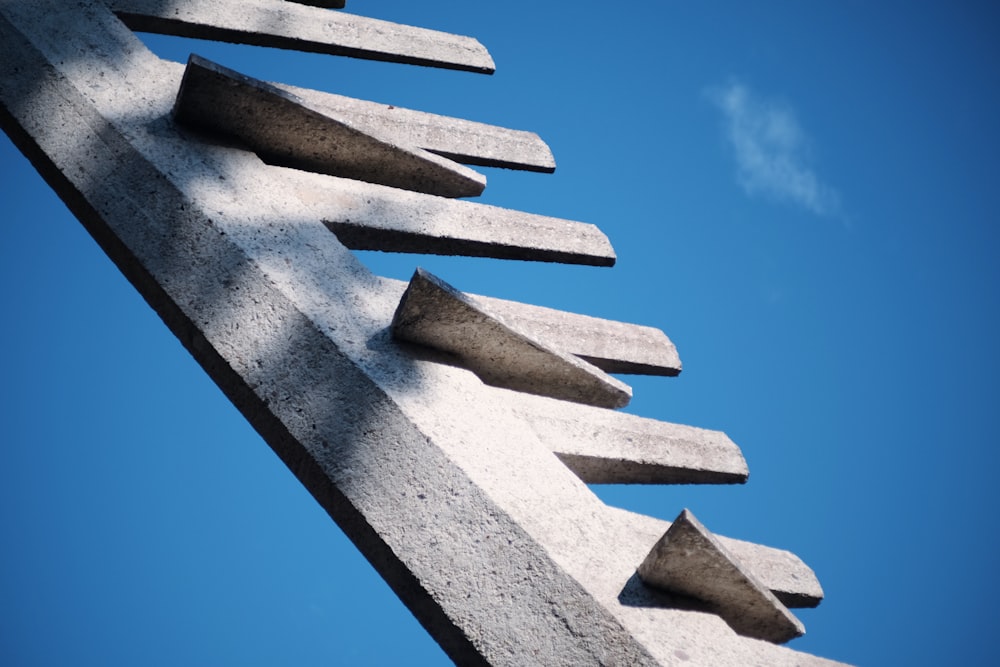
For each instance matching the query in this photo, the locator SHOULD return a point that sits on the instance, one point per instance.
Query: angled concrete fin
(434, 314)
(460, 140)
(283, 130)
(791, 580)
(614, 347)
(610, 447)
(689, 560)
(287, 25)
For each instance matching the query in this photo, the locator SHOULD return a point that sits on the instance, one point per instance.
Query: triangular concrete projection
(282, 129)
(434, 314)
(689, 560)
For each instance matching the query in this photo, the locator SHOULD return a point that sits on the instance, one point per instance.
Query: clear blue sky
(804, 196)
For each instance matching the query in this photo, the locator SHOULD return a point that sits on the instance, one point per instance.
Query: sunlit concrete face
(453, 489)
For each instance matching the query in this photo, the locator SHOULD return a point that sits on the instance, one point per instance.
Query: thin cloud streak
(770, 150)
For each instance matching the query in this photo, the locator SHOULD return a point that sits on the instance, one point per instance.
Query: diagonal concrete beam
(689, 560)
(473, 522)
(284, 130)
(434, 314)
(286, 25)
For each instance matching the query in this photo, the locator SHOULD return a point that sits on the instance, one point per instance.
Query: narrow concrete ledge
(690, 561)
(365, 216)
(460, 140)
(782, 572)
(287, 25)
(614, 347)
(434, 314)
(609, 447)
(282, 129)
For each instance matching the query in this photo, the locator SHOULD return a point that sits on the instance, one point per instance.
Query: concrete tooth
(283, 130)
(689, 560)
(434, 314)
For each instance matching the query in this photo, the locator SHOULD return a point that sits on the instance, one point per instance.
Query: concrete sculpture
(456, 463)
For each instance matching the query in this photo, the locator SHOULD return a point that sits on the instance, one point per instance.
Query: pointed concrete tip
(435, 314)
(689, 560)
(283, 130)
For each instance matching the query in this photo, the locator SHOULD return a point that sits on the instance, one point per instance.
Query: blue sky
(803, 196)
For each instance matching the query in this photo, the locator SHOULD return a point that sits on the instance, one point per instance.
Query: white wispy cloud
(771, 150)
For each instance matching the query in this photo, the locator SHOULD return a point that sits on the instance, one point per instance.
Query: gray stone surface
(792, 581)
(282, 129)
(608, 447)
(614, 347)
(502, 553)
(434, 314)
(287, 25)
(641, 349)
(688, 560)
(461, 140)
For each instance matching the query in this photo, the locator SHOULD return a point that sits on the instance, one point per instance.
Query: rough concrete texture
(372, 217)
(643, 350)
(461, 140)
(436, 481)
(434, 314)
(608, 447)
(614, 347)
(688, 560)
(298, 27)
(282, 129)
(793, 582)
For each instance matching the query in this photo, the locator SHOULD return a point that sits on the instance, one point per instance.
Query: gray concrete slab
(282, 129)
(790, 580)
(287, 25)
(434, 314)
(502, 553)
(688, 560)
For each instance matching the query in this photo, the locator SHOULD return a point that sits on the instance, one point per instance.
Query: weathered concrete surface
(614, 347)
(608, 447)
(395, 222)
(643, 349)
(372, 217)
(498, 549)
(785, 575)
(282, 129)
(461, 140)
(688, 560)
(434, 314)
(286, 25)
